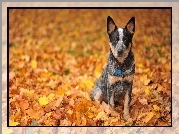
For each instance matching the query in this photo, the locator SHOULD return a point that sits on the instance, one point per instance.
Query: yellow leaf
(33, 63)
(13, 123)
(147, 91)
(102, 115)
(146, 70)
(91, 112)
(144, 80)
(140, 65)
(51, 96)
(156, 108)
(43, 100)
(90, 115)
(157, 114)
(87, 84)
(47, 123)
(153, 100)
(48, 114)
(159, 88)
(113, 120)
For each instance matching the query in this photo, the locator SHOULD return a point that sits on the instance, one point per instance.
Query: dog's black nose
(120, 53)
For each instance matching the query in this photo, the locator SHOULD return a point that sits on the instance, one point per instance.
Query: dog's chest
(115, 68)
(120, 75)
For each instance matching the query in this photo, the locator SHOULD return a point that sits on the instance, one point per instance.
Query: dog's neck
(113, 60)
(117, 68)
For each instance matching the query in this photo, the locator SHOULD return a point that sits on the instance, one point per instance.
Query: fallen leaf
(70, 111)
(143, 101)
(87, 84)
(51, 96)
(36, 114)
(145, 80)
(156, 108)
(33, 64)
(24, 104)
(97, 71)
(148, 117)
(113, 120)
(147, 91)
(159, 88)
(43, 100)
(13, 123)
(102, 115)
(11, 75)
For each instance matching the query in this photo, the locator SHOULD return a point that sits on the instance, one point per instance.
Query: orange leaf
(148, 117)
(24, 104)
(159, 88)
(36, 114)
(63, 89)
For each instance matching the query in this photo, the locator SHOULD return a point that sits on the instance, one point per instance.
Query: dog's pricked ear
(111, 26)
(131, 25)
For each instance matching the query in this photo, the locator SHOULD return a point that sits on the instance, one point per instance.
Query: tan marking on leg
(126, 106)
(121, 59)
(114, 79)
(112, 100)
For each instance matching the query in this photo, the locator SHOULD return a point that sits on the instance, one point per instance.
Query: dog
(116, 79)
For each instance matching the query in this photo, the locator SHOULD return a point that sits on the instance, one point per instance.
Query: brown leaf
(143, 101)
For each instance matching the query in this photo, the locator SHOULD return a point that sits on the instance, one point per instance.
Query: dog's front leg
(97, 94)
(111, 102)
(110, 95)
(127, 99)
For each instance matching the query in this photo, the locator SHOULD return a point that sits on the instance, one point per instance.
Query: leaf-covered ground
(56, 56)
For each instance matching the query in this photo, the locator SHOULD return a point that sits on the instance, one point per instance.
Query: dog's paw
(112, 106)
(126, 116)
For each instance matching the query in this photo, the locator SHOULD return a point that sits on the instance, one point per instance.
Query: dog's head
(120, 38)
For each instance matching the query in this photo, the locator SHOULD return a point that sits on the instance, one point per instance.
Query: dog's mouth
(120, 53)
